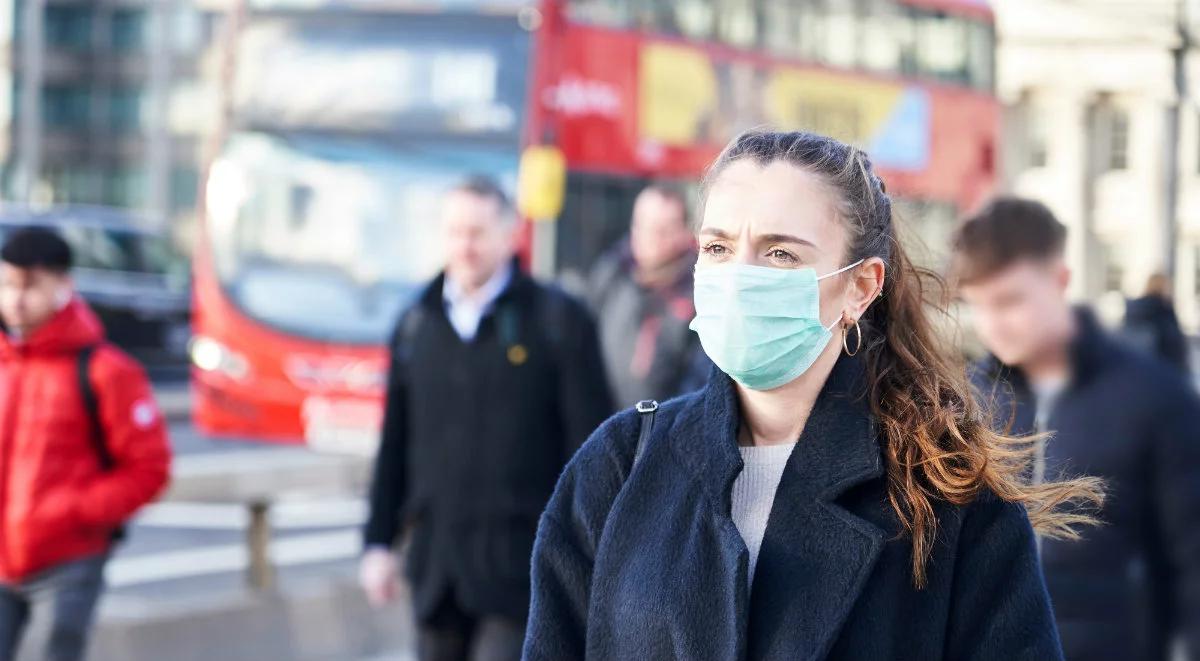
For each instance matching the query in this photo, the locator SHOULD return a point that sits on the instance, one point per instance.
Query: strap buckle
(646, 406)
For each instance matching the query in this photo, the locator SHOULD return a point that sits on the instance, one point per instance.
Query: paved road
(181, 546)
(183, 555)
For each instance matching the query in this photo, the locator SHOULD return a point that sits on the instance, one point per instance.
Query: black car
(128, 271)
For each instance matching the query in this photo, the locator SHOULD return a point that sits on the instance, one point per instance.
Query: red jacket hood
(73, 328)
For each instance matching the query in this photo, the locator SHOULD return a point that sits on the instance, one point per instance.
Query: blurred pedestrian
(641, 293)
(1151, 324)
(831, 495)
(495, 381)
(83, 447)
(1123, 592)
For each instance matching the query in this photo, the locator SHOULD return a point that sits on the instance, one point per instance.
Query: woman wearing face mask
(833, 494)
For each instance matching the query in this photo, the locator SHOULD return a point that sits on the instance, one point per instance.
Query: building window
(68, 28)
(65, 107)
(184, 180)
(79, 184)
(125, 109)
(1196, 272)
(1118, 158)
(1112, 137)
(1114, 271)
(1033, 125)
(129, 30)
(127, 187)
(1197, 143)
(187, 30)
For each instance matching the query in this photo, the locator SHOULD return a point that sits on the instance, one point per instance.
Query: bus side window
(888, 41)
(942, 47)
(605, 13)
(981, 49)
(738, 22)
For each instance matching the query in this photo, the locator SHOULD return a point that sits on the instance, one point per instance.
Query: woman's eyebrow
(715, 232)
(785, 238)
(763, 238)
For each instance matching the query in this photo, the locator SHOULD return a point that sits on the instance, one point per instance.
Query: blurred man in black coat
(1130, 587)
(495, 381)
(1151, 324)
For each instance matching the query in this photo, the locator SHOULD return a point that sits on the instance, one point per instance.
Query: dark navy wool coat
(649, 564)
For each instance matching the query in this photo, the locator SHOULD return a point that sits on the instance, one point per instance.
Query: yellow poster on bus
(686, 98)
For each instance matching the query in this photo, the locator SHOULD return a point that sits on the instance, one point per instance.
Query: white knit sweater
(754, 492)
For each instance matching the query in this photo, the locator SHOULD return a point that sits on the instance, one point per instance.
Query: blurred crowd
(496, 380)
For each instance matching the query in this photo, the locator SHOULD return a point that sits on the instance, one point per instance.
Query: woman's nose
(746, 255)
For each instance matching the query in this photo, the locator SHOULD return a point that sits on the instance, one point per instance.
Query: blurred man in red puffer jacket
(70, 474)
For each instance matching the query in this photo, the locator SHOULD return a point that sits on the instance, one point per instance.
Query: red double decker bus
(320, 207)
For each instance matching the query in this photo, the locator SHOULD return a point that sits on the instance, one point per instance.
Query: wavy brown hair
(939, 443)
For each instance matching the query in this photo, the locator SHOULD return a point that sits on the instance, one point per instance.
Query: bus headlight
(210, 355)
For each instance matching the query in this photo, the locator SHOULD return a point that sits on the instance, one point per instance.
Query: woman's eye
(715, 249)
(782, 255)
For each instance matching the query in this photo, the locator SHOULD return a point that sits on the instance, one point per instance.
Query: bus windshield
(328, 238)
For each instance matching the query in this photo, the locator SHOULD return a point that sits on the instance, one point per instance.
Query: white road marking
(285, 515)
(124, 571)
(223, 462)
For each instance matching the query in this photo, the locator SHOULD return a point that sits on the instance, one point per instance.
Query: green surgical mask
(761, 325)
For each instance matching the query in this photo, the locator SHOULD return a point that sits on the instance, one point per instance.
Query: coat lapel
(816, 555)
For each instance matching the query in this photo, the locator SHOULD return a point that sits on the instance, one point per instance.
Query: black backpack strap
(92, 405)
(647, 408)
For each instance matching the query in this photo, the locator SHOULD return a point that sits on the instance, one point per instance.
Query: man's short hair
(484, 186)
(1006, 231)
(672, 193)
(37, 248)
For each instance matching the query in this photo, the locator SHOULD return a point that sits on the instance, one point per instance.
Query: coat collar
(433, 297)
(840, 435)
(816, 555)
(72, 328)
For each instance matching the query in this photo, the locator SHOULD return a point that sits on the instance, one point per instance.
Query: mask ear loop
(830, 275)
(841, 270)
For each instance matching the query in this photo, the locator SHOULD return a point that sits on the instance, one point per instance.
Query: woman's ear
(866, 284)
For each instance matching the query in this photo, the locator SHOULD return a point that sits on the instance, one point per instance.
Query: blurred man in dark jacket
(1131, 586)
(641, 293)
(495, 381)
(1151, 324)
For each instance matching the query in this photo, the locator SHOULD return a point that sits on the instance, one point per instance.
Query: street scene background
(252, 190)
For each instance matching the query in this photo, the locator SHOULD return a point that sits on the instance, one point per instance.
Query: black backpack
(91, 405)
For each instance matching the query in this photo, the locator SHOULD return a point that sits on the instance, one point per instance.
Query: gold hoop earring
(858, 333)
